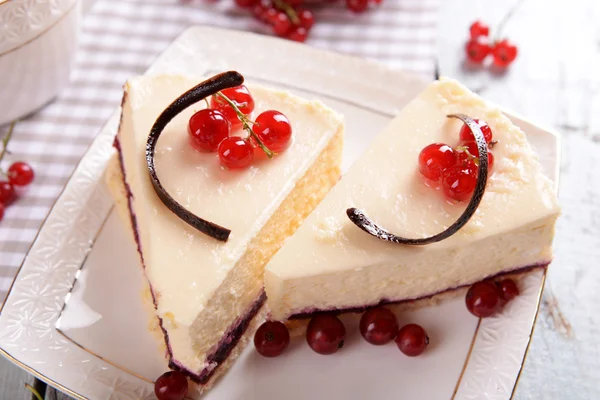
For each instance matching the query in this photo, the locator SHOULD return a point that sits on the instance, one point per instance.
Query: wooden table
(555, 81)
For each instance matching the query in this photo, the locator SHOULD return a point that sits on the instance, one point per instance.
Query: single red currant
(508, 289)
(7, 193)
(412, 340)
(435, 159)
(236, 153)
(482, 299)
(259, 12)
(274, 130)
(246, 3)
(466, 135)
(271, 339)
(171, 385)
(477, 50)
(270, 16)
(378, 326)
(459, 182)
(307, 19)
(1, 211)
(479, 28)
(282, 24)
(241, 97)
(357, 6)
(207, 128)
(298, 35)
(20, 174)
(504, 53)
(325, 334)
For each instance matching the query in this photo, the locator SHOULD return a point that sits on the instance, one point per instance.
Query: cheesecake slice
(208, 294)
(331, 264)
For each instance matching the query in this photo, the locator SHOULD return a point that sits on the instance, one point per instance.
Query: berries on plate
(171, 385)
(271, 338)
(274, 129)
(207, 128)
(325, 334)
(378, 326)
(236, 153)
(412, 340)
(482, 299)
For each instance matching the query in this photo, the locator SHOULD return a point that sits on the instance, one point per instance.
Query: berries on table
(274, 130)
(478, 29)
(241, 97)
(271, 338)
(357, 6)
(378, 326)
(325, 334)
(20, 174)
(236, 153)
(482, 299)
(504, 53)
(307, 19)
(435, 159)
(508, 289)
(171, 385)
(207, 128)
(477, 50)
(7, 193)
(412, 340)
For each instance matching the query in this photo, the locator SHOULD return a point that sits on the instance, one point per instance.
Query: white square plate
(74, 316)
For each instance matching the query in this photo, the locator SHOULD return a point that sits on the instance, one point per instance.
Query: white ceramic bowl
(37, 48)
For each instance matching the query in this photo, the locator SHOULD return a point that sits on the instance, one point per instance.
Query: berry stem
(505, 19)
(288, 10)
(37, 394)
(7, 139)
(246, 125)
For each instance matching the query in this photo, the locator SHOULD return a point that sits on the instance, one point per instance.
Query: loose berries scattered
(478, 29)
(482, 299)
(242, 98)
(271, 339)
(504, 53)
(325, 334)
(207, 128)
(7, 193)
(477, 50)
(171, 385)
(508, 289)
(378, 326)
(479, 47)
(412, 340)
(236, 153)
(435, 159)
(20, 174)
(274, 129)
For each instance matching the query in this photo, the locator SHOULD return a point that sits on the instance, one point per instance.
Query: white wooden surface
(554, 82)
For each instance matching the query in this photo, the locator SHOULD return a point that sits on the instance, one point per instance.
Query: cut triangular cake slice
(332, 264)
(207, 292)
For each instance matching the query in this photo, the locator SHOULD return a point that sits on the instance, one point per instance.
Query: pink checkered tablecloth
(120, 38)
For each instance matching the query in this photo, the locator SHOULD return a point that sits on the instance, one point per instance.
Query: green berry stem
(288, 10)
(7, 139)
(37, 394)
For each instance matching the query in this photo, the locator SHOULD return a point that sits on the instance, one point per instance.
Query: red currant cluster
(210, 129)
(456, 168)
(288, 18)
(479, 47)
(484, 298)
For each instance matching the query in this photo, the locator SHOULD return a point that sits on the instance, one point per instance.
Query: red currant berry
(412, 340)
(236, 153)
(357, 6)
(478, 28)
(508, 289)
(325, 334)
(477, 50)
(1, 211)
(307, 19)
(246, 3)
(207, 128)
(282, 25)
(270, 16)
(171, 385)
(482, 299)
(241, 97)
(274, 130)
(459, 182)
(271, 339)
(377, 1)
(435, 159)
(504, 53)
(378, 326)
(20, 174)
(259, 11)
(298, 35)
(7, 193)
(466, 135)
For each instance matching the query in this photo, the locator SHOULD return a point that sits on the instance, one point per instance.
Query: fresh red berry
(357, 6)
(466, 135)
(207, 128)
(478, 28)
(246, 3)
(273, 129)
(7, 193)
(325, 334)
(504, 53)
(508, 289)
(435, 159)
(482, 299)
(259, 11)
(307, 19)
(20, 174)
(459, 182)
(241, 97)
(271, 339)
(298, 34)
(378, 326)
(412, 340)
(236, 153)
(377, 1)
(477, 50)
(282, 25)
(1, 211)
(270, 16)
(171, 385)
